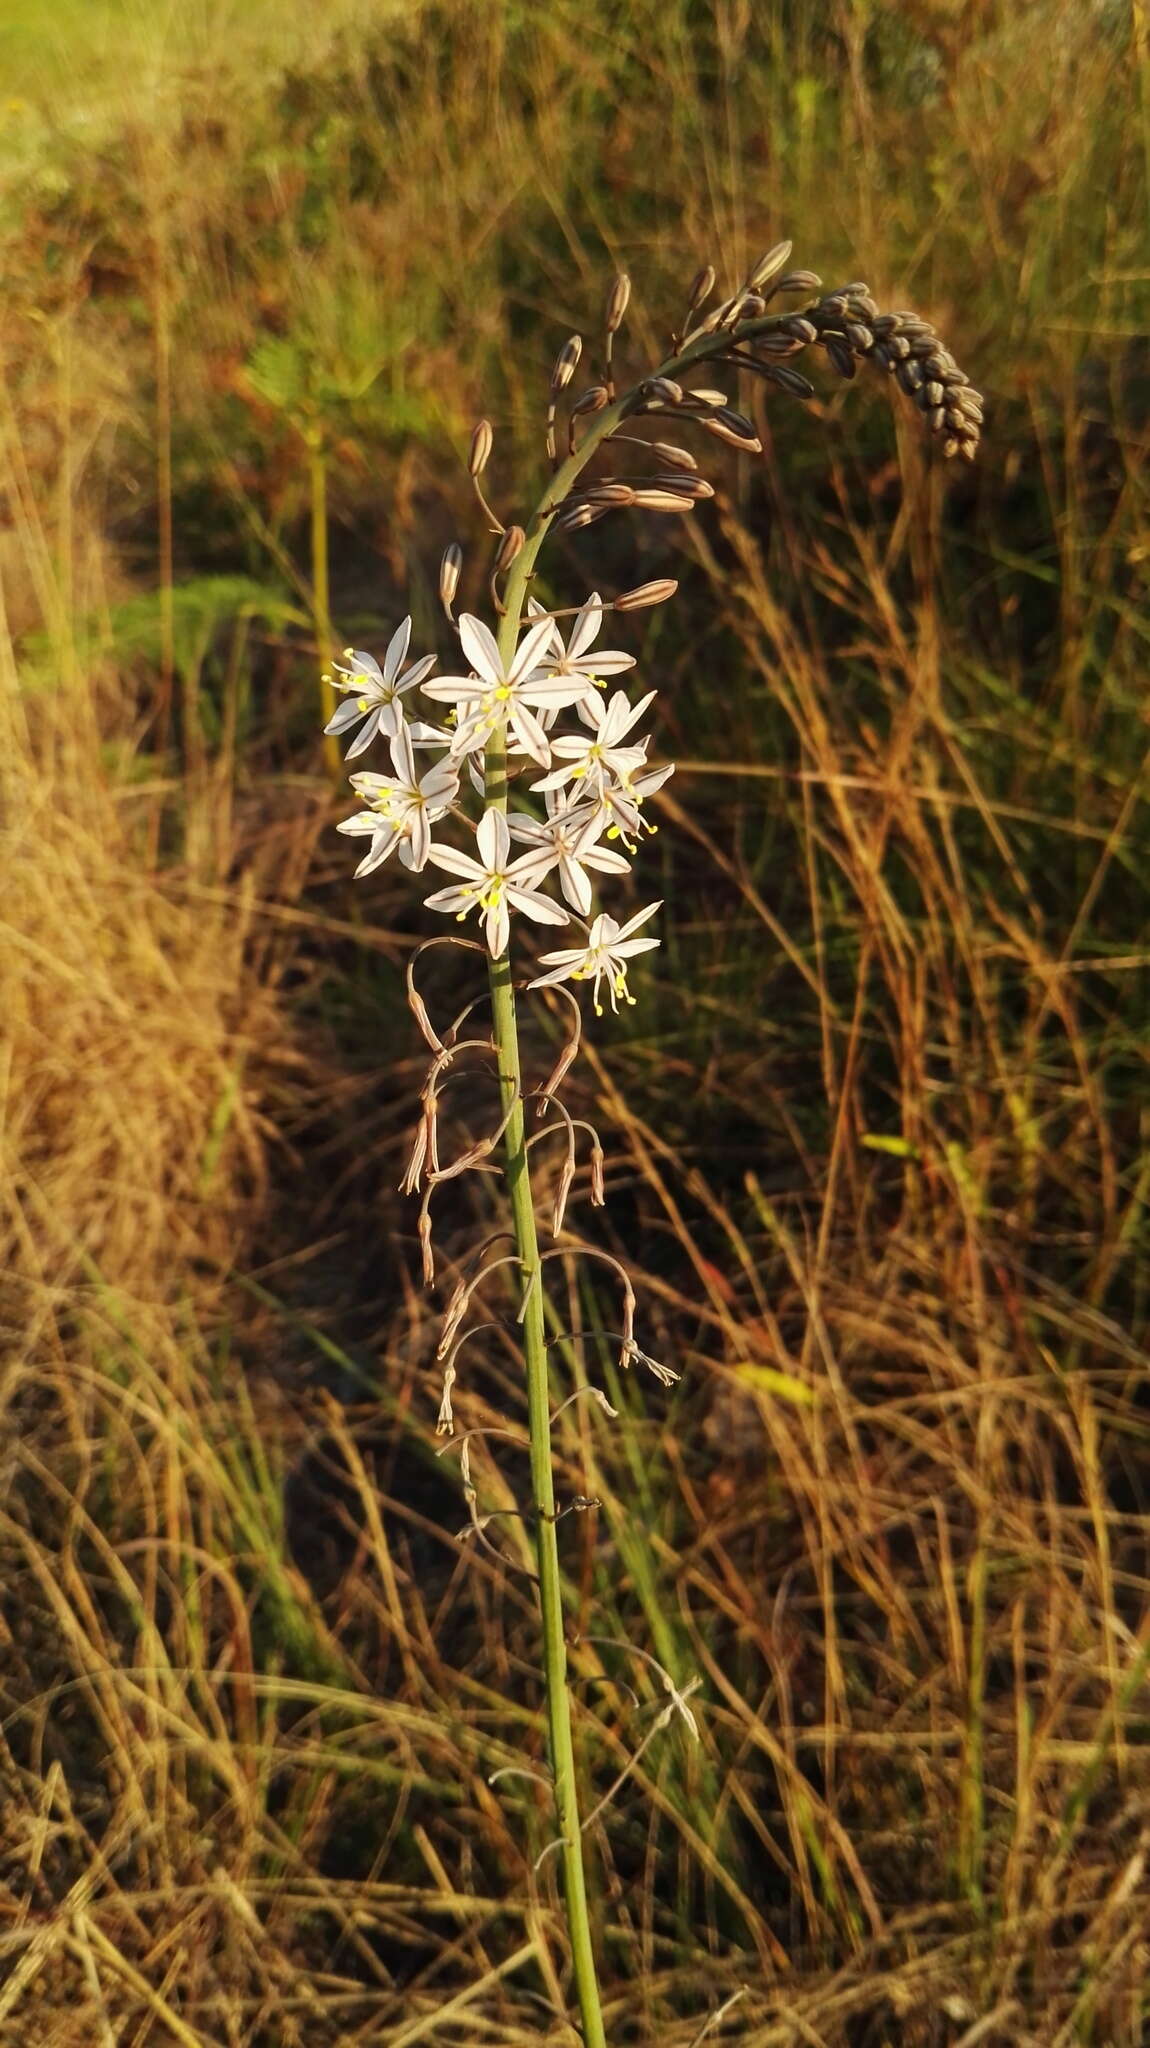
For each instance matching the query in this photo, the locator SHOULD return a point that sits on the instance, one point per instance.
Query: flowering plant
(529, 707)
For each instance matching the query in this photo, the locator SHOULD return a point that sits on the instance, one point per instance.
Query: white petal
(640, 917)
(494, 840)
(381, 846)
(402, 758)
(529, 650)
(535, 906)
(449, 899)
(624, 948)
(480, 647)
(450, 689)
(608, 661)
(531, 735)
(420, 840)
(457, 863)
(396, 649)
(363, 740)
(586, 627)
(497, 928)
(574, 882)
(348, 713)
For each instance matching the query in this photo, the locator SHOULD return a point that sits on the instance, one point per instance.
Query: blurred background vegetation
(876, 1129)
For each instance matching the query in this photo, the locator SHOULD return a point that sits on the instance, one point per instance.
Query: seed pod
(839, 354)
(662, 501)
(663, 390)
(699, 290)
(617, 299)
(508, 548)
(449, 569)
(799, 281)
(791, 380)
(482, 437)
(800, 329)
(646, 594)
(566, 362)
(686, 486)
(591, 400)
(769, 265)
(677, 458)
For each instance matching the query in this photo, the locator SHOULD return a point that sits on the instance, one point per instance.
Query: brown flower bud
(592, 400)
(676, 458)
(566, 362)
(662, 501)
(481, 440)
(663, 390)
(449, 569)
(509, 547)
(699, 290)
(769, 265)
(617, 299)
(684, 486)
(646, 594)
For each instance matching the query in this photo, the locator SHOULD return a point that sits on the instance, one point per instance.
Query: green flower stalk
(529, 707)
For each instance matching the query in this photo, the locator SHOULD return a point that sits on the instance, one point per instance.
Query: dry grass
(875, 1133)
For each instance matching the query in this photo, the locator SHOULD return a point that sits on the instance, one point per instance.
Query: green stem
(506, 1034)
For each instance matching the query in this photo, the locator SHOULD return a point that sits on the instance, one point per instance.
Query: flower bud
(675, 458)
(646, 594)
(800, 281)
(509, 547)
(685, 486)
(769, 265)
(617, 299)
(699, 290)
(662, 501)
(592, 400)
(663, 390)
(566, 363)
(449, 569)
(481, 440)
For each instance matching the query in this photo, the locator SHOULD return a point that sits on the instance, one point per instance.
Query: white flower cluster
(592, 787)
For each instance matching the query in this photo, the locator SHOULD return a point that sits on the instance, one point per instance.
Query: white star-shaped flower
(376, 691)
(569, 839)
(493, 883)
(601, 757)
(609, 947)
(621, 803)
(574, 658)
(503, 696)
(403, 808)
